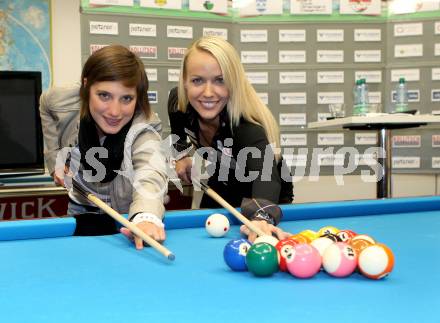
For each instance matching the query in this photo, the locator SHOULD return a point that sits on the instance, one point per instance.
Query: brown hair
(114, 63)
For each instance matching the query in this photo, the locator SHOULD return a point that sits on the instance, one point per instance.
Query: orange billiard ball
(376, 261)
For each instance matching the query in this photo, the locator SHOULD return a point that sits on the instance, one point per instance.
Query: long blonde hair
(243, 100)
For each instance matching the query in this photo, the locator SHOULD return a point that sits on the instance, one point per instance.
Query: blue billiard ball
(235, 252)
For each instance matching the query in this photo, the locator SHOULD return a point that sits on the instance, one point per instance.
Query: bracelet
(147, 217)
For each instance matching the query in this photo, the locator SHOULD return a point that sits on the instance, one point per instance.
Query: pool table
(48, 275)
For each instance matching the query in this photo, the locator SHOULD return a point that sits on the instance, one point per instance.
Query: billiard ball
(346, 235)
(267, 238)
(359, 244)
(305, 261)
(310, 234)
(217, 225)
(332, 236)
(235, 252)
(376, 261)
(363, 237)
(327, 229)
(300, 238)
(285, 248)
(339, 259)
(321, 244)
(262, 259)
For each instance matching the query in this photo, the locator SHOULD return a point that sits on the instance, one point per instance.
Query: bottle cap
(402, 80)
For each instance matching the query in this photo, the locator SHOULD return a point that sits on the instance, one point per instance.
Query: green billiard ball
(262, 259)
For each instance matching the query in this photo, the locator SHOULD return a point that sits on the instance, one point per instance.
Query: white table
(383, 123)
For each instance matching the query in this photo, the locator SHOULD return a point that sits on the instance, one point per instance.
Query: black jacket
(225, 180)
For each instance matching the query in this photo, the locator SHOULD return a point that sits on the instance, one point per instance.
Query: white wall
(66, 41)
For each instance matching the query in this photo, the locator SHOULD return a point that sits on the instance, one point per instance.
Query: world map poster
(25, 37)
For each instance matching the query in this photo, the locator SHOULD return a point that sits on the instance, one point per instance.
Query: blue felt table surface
(104, 279)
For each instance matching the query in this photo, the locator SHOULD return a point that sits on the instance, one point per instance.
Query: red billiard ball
(339, 259)
(305, 261)
(346, 235)
(235, 252)
(285, 248)
(376, 261)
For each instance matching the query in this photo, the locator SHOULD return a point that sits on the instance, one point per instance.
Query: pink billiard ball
(339, 259)
(305, 261)
(285, 248)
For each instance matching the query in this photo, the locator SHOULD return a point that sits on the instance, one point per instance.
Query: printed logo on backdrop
(261, 7)
(367, 56)
(253, 36)
(361, 138)
(331, 159)
(258, 77)
(311, 7)
(173, 74)
(412, 74)
(299, 160)
(95, 47)
(217, 6)
(413, 96)
(144, 51)
(103, 28)
(254, 57)
(164, 4)
(435, 95)
(176, 53)
(365, 159)
(151, 74)
(291, 35)
(435, 162)
(413, 29)
(292, 119)
(408, 50)
(183, 32)
(293, 98)
(330, 77)
(330, 97)
(362, 35)
(435, 140)
(369, 76)
(330, 35)
(292, 56)
(152, 97)
(330, 139)
(218, 32)
(360, 7)
(145, 30)
(329, 56)
(293, 77)
(405, 162)
(293, 139)
(407, 141)
(435, 74)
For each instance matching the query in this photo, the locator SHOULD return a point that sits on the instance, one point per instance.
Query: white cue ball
(267, 238)
(217, 225)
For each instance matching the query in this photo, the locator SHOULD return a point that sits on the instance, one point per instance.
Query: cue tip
(171, 257)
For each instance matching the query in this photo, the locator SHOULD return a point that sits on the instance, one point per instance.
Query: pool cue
(119, 218)
(220, 200)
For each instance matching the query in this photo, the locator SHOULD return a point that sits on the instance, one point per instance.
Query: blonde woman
(216, 107)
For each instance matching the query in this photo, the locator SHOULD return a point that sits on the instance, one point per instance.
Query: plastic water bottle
(360, 93)
(401, 96)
